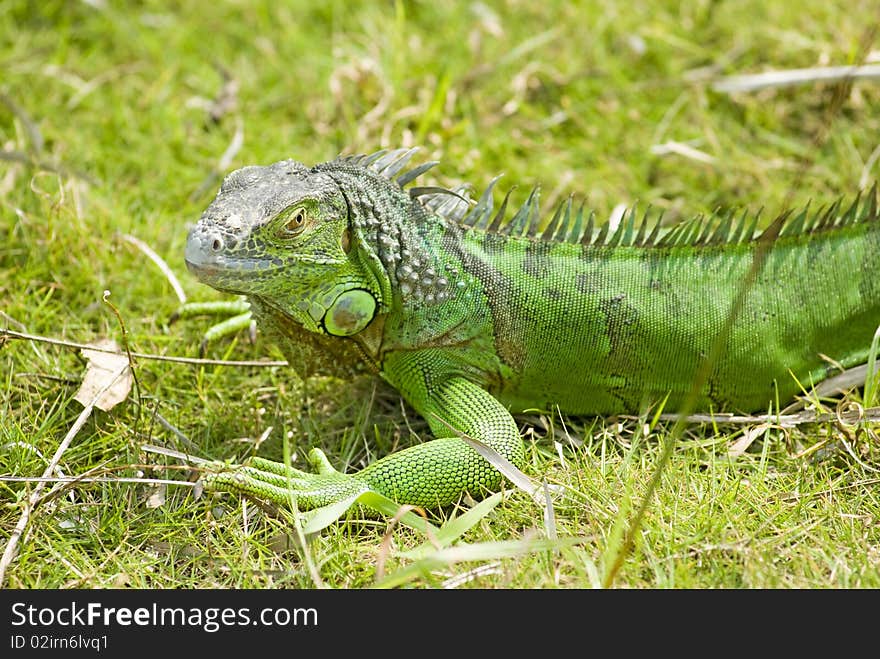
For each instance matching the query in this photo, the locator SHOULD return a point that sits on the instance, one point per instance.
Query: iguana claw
(280, 484)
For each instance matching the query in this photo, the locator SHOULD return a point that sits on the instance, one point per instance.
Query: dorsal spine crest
(722, 227)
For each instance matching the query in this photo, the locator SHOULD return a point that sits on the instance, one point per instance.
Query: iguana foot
(239, 310)
(274, 481)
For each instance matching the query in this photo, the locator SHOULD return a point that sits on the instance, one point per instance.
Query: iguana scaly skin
(472, 317)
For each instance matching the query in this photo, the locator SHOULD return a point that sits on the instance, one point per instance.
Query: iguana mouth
(206, 257)
(218, 273)
(201, 269)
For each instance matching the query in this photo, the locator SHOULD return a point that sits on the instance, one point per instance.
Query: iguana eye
(293, 224)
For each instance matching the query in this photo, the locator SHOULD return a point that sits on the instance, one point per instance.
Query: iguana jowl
(472, 316)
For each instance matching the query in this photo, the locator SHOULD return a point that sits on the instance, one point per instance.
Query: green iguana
(472, 316)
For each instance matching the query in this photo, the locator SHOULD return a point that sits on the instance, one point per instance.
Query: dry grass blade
(741, 445)
(224, 161)
(6, 334)
(684, 150)
(790, 77)
(485, 551)
(780, 420)
(385, 546)
(160, 263)
(177, 455)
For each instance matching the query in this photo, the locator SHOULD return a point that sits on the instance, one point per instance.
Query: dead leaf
(108, 376)
(156, 498)
(121, 580)
(749, 436)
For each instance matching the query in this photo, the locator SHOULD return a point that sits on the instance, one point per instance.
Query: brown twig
(6, 334)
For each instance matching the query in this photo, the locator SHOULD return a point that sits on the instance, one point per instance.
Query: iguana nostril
(217, 245)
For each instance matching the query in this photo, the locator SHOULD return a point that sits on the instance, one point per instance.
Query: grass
(106, 132)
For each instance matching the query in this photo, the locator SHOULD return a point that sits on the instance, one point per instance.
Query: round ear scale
(350, 312)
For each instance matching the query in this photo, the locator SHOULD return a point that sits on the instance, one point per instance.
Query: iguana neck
(414, 254)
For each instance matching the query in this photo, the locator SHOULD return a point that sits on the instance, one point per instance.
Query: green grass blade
(455, 528)
(484, 551)
(872, 377)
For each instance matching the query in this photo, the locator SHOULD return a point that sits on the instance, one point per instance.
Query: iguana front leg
(431, 474)
(239, 312)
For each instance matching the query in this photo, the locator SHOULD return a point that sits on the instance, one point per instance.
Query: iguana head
(283, 234)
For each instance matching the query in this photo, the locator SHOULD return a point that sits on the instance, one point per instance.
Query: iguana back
(597, 327)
